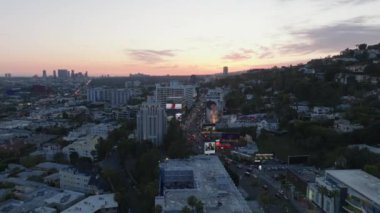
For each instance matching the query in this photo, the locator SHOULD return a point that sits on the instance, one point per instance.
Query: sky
(177, 37)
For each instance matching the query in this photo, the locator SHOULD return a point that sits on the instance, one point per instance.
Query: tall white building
(117, 97)
(175, 92)
(151, 122)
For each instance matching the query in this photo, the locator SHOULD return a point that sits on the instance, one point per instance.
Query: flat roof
(212, 185)
(360, 181)
(93, 204)
(64, 197)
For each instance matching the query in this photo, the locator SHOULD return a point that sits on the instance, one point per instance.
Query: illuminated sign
(209, 148)
(173, 106)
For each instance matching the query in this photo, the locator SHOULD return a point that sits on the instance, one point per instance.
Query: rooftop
(210, 183)
(360, 181)
(64, 197)
(93, 204)
(307, 174)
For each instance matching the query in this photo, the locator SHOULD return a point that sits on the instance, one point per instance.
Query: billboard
(173, 106)
(230, 137)
(208, 127)
(212, 113)
(209, 147)
(178, 116)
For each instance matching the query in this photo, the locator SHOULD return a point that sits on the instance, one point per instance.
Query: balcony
(354, 204)
(351, 209)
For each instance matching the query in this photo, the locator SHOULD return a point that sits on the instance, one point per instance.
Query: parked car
(265, 187)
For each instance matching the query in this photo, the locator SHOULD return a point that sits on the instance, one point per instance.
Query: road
(192, 126)
(254, 186)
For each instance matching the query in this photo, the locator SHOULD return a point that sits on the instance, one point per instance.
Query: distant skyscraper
(72, 73)
(63, 73)
(225, 70)
(151, 122)
(54, 74)
(85, 74)
(44, 74)
(8, 75)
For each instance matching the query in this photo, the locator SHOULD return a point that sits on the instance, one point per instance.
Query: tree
(265, 199)
(102, 148)
(59, 157)
(121, 199)
(74, 157)
(186, 209)
(192, 201)
(362, 46)
(65, 115)
(199, 207)
(175, 141)
(31, 161)
(157, 208)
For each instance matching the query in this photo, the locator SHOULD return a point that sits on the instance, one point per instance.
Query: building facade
(203, 177)
(346, 191)
(80, 181)
(116, 97)
(174, 92)
(63, 73)
(151, 122)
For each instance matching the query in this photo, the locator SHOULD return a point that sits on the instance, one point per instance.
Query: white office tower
(119, 97)
(98, 94)
(151, 122)
(175, 92)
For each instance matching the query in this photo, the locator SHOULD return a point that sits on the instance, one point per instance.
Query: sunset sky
(177, 37)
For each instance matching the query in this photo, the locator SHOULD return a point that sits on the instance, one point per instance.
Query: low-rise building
(81, 181)
(343, 125)
(64, 199)
(95, 203)
(203, 177)
(346, 191)
(85, 147)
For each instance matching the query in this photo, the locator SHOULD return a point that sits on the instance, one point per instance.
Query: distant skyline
(177, 37)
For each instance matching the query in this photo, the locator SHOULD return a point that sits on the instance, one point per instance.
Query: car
(247, 173)
(239, 166)
(254, 176)
(265, 187)
(278, 195)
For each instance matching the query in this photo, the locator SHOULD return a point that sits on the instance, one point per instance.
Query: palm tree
(199, 207)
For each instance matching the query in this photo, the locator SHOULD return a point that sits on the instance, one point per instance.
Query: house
(357, 68)
(48, 150)
(307, 71)
(343, 125)
(79, 180)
